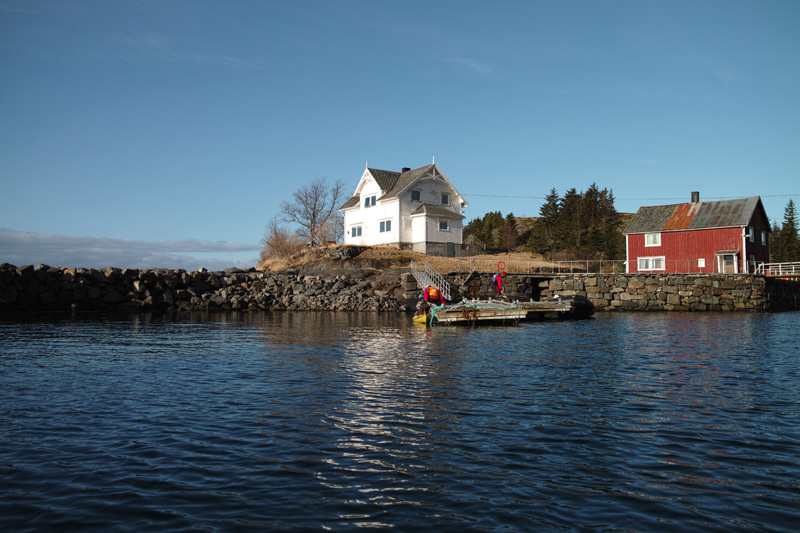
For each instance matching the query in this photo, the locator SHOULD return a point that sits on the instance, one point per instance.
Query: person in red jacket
(433, 296)
(497, 284)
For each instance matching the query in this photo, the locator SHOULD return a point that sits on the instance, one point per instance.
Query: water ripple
(328, 421)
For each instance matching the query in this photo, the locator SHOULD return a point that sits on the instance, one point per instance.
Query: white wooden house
(415, 209)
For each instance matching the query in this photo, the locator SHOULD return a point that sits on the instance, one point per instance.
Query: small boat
(421, 319)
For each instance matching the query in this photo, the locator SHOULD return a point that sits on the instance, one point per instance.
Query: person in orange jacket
(433, 296)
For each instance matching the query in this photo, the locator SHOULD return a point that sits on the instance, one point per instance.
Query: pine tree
(543, 232)
(774, 243)
(508, 233)
(787, 243)
(612, 240)
(569, 224)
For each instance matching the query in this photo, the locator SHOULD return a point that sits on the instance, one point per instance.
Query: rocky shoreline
(57, 289)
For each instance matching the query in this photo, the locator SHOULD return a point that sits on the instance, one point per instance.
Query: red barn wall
(682, 249)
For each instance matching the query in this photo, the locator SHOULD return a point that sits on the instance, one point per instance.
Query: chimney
(695, 196)
(406, 169)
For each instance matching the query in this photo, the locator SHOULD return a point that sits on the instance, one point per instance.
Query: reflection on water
(341, 420)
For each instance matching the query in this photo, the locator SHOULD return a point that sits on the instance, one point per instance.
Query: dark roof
(352, 202)
(695, 215)
(401, 182)
(435, 210)
(385, 178)
(391, 183)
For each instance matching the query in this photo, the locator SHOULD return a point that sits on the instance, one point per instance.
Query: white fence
(778, 270)
(601, 267)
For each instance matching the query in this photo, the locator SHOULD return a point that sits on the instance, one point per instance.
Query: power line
(637, 199)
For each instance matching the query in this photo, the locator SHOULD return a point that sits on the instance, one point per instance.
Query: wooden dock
(504, 312)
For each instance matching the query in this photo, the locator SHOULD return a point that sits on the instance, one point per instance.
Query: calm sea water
(326, 421)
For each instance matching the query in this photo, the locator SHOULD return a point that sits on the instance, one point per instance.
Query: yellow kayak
(421, 319)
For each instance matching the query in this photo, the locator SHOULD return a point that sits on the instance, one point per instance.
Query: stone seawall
(55, 289)
(635, 292)
(666, 293)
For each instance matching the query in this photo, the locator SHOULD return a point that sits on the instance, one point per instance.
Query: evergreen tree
(787, 243)
(486, 229)
(543, 232)
(591, 232)
(774, 243)
(568, 226)
(508, 233)
(585, 223)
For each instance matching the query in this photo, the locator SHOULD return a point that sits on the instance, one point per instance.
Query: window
(763, 238)
(369, 201)
(445, 199)
(444, 225)
(386, 226)
(355, 231)
(752, 235)
(652, 239)
(701, 263)
(651, 263)
(416, 196)
(408, 223)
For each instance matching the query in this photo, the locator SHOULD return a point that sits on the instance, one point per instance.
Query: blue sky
(166, 133)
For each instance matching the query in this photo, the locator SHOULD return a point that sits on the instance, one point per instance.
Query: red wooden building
(729, 236)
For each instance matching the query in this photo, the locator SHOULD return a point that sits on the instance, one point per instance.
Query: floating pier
(504, 312)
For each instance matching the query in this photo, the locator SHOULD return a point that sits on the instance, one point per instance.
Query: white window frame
(701, 263)
(386, 226)
(445, 198)
(369, 201)
(655, 237)
(645, 264)
(355, 231)
(418, 193)
(446, 224)
(721, 264)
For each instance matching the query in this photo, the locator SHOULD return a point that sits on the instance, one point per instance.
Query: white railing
(430, 277)
(596, 266)
(777, 270)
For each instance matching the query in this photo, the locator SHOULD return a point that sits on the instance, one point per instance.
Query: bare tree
(314, 209)
(278, 241)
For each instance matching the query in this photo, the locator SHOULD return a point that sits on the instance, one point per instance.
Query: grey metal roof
(435, 210)
(695, 215)
(649, 219)
(725, 213)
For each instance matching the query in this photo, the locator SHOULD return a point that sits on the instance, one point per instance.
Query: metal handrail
(600, 266)
(430, 276)
(778, 269)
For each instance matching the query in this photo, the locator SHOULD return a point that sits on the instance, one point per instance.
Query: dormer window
(369, 201)
(445, 198)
